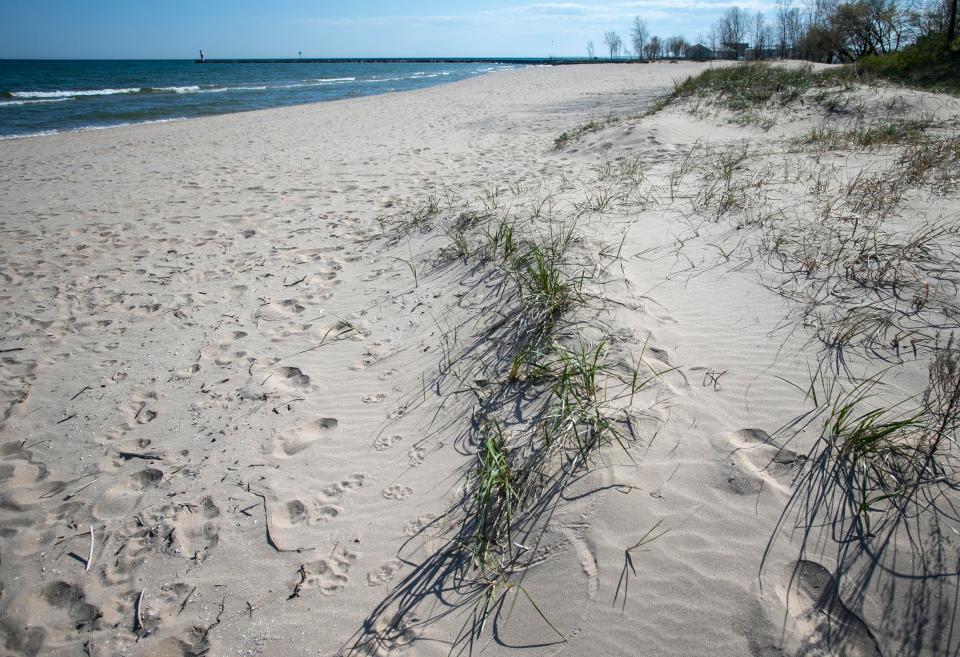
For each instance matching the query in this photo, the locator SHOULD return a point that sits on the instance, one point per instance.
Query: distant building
(699, 52)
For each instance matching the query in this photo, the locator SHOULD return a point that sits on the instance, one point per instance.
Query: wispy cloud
(561, 20)
(554, 14)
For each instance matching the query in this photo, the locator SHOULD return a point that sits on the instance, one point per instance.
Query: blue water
(41, 97)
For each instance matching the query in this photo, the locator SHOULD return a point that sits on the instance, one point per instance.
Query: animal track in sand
(416, 456)
(276, 311)
(315, 510)
(142, 411)
(219, 350)
(397, 492)
(419, 524)
(352, 482)
(384, 572)
(293, 442)
(329, 575)
(185, 529)
(386, 442)
(388, 374)
(186, 373)
(363, 363)
(309, 513)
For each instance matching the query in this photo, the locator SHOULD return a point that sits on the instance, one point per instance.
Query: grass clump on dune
(875, 466)
(747, 86)
(586, 128)
(542, 402)
(885, 134)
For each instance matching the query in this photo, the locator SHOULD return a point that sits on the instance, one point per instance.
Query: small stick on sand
(138, 618)
(90, 556)
(70, 496)
(183, 605)
(83, 390)
(137, 455)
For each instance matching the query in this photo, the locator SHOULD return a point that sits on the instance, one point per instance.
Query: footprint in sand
(286, 381)
(384, 572)
(831, 627)
(117, 501)
(386, 442)
(294, 441)
(71, 598)
(758, 456)
(397, 492)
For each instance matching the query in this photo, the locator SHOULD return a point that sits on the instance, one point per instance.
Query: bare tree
(794, 26)
(732, 28)
(591, 51)
(639, 35)
(653, 48)
(614, 43)
(677, 45)
(783, 12)
(759, 35)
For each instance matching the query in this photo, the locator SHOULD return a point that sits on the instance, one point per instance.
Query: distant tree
(639, 35)
(614, 43)
(653, 48)
(783, 10)
(677, 46)
(591, 51)
(759, 35)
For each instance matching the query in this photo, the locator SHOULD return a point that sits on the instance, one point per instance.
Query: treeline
(822, 31)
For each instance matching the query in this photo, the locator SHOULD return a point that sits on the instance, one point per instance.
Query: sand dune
(230, 423)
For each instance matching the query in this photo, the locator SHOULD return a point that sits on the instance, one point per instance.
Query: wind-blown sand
(217, 361)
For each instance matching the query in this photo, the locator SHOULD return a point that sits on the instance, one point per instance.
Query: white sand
(178, 293)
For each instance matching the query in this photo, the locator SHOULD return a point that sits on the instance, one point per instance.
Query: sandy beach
(245, 359)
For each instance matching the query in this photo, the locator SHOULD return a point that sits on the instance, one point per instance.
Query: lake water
(44, 97)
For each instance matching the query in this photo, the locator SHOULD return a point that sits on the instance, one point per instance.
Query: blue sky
(103, 29)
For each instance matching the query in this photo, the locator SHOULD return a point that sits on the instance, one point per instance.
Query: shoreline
(46, 133)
